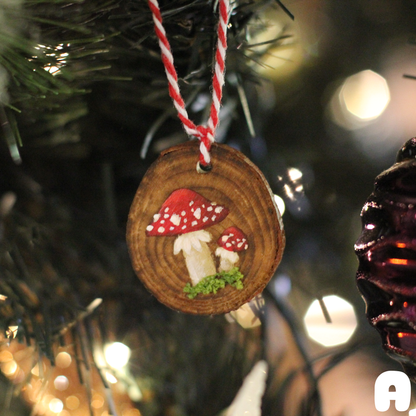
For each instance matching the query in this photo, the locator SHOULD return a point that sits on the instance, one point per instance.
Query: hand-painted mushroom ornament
(231, 242)
(386, 250)
(186, 214)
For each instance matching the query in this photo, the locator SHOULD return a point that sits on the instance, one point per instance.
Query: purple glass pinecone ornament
(386, 250)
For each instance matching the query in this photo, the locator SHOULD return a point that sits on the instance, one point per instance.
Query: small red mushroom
(187, 214)
(232, 241)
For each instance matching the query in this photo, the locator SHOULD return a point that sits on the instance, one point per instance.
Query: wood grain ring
(235, 182)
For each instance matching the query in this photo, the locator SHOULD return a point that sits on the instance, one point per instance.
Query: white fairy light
(117, 354)
(339, 330)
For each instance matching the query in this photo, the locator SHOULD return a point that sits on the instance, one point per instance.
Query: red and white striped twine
(206, 134)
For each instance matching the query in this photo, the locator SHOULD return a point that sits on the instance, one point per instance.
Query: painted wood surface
(234, 183)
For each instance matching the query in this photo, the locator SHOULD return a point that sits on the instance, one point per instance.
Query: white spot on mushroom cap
(246, 247)
(161, 230)
(240, 244)
(197, 213)
(183, 227)
(183, 213)
(166, 209)
(228, 245)
(194, 223)
(162, 222)
(156, 217)
(171, 228)
(210, 209)
(166, 216)
(225, 238)
(218, 209)
(175, 219)
(149, 228)
(213, 217)
(191, 203)
(205, 219)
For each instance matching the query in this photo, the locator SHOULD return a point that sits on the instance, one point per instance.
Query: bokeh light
(97, 401)
(280, 204)
(361, 99)
(247, 315)
(282, 285)
(277, 58)
(63, 360)
(61, 383)
(339, 330)
(135, 393)
(72, 402)
(365, 94)
(110, 378)
(117, 354)
(56, 405)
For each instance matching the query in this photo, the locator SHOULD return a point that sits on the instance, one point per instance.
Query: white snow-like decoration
(247, 402)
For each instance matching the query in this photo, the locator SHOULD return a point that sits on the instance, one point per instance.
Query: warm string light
(57, 391)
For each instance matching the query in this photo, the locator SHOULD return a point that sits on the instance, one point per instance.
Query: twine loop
(206, 134)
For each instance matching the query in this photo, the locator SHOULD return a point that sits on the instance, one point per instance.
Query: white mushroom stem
(228, 259)
(197, 255)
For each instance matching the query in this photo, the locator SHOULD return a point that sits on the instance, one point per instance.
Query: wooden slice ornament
(180, 219)
(204, 237)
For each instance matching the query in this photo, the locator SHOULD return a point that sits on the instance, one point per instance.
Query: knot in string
(206, 135)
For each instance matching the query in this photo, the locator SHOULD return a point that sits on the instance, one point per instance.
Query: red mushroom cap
(233, 239)
(185, 211)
